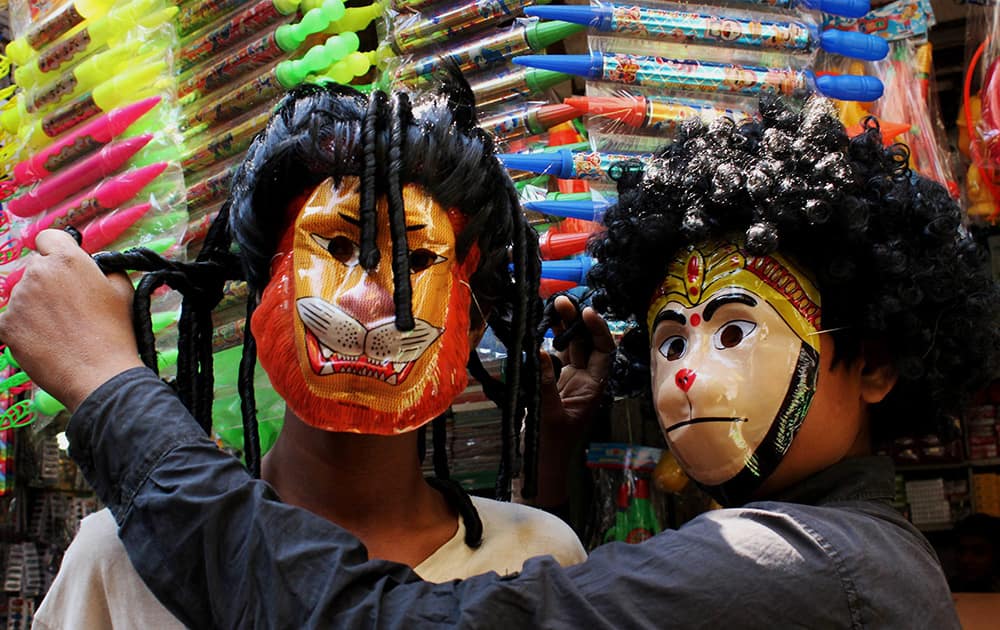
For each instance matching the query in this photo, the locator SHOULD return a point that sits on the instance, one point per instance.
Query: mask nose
(685, 379)
(367, 302)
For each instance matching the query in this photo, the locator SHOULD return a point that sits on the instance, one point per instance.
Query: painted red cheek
(685, 379)
(695, 319)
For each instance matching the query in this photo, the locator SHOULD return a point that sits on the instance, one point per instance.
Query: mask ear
(878, 374)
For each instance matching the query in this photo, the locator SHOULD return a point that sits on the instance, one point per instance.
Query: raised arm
(221, 551)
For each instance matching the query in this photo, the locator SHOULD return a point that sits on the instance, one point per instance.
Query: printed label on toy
(53, 58)
(700, 76)
(255, 55)
(55, 93)
(50, 29)
(251, 21)
(413, 34)
(71, 153)
(228, 335)
(685, 27)
(500, 89)
(197, 14)
(78, 215)
(476, 56)
(244, 100)
(70, 116)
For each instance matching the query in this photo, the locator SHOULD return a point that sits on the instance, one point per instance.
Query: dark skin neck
(371, 485)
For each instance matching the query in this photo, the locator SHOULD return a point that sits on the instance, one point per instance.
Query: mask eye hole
(421, 259)
(674, 347)
(341, 248)
(733, 333)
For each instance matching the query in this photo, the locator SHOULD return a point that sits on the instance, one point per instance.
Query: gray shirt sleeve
(220, 550)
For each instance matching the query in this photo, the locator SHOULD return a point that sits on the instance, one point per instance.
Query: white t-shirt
(98, 588)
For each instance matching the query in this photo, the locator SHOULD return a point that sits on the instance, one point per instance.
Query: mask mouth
(325, 362)
(337, 343)
(705, 419)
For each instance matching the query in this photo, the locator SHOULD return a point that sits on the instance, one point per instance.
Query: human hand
(569, 401)
(67, 324)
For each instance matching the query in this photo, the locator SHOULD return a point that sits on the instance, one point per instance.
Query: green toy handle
(290, 36)
(294, 72)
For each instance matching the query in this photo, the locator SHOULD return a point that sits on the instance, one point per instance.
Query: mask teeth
(398, 367)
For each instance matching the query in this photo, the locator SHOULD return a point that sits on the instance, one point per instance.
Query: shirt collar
(852, 479)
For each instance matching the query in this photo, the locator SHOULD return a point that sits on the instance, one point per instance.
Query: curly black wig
(888, 248)
(334, 131)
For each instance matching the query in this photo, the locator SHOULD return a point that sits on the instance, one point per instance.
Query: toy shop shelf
(919, 467)
(978, 463)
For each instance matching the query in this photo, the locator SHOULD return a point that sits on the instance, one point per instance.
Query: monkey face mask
(735, 362)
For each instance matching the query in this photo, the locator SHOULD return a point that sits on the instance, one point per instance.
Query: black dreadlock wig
(888, 249)
(334, 131)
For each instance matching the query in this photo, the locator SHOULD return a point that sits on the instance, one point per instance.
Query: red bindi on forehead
(695, 319)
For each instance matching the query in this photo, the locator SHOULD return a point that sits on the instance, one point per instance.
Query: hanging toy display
(980, 118)
(908, 112)
(91, 133)
(628, 511)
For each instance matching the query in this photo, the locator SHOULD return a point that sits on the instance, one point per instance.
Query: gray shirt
(219, 549)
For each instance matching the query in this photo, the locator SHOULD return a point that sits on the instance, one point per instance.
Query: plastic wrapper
(531, 119)
(639, 120)
(568, 164)
(507, 83)
(230, 65)
(97, 129)
(797, 34)
(908, 112)
(410, 29)
(136, 206)
(207, 146)
(908, 100)
(36, 26)
(85, 39)
(196, 15)
(625, 508)
(337, 56)
(227, 422)
(701, 76)
(485, 50)
(903, 19)
(980, 116)
(148, 73)
(245, 21)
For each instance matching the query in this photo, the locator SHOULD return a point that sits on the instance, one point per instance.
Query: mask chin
(769, 454)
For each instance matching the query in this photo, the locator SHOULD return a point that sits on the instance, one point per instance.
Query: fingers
(603, 345)
(591, 349)
(599, 331)
(50, 242)
(566, 309)
(551, 405)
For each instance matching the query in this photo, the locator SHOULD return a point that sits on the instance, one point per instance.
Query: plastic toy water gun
(635, 520)
(688, 27)
(705, 76)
